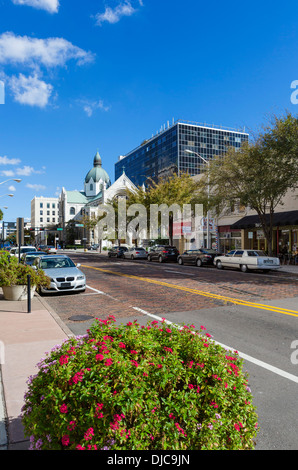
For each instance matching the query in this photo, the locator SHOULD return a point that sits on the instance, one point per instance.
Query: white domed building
(98, 190)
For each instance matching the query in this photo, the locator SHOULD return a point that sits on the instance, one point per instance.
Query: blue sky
(81, 76)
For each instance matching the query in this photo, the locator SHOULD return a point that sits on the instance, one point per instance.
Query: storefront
(285, 232)
(228, 238)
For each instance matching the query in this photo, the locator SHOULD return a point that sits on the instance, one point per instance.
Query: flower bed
(137, 387)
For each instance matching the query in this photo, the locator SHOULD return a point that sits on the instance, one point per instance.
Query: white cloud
(7, 173)
(113, 15)
(30, 90)
(25, 171)
(34, 52)
(49, 5)
(12, 188)
(9, 161)
(36, 187)
(90, 106)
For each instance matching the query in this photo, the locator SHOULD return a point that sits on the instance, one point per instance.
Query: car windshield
(27, 250)
(256, 253)
(54, 263)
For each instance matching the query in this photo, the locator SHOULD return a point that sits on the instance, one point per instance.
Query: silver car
(64, 274)
(133, 253)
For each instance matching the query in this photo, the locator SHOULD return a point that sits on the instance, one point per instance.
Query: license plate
(268, 261)
(65, 284)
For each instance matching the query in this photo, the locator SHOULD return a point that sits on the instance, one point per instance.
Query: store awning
(280, 219)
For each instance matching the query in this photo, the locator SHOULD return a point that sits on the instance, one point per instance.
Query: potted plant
(14, 278)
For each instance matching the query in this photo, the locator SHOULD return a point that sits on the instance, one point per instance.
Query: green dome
(97, 173)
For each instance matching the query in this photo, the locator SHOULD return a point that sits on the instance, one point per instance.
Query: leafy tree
(172, 190)
(259, 174)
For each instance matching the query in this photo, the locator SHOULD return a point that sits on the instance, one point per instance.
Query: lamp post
(208, 215)
(12, 179)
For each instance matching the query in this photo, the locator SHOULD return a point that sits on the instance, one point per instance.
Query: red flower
(63, 360)
(65, 440)
(71, 426)
(63, 408)
(122, 345)
(99, 357)
(109, 362)
(89, 434)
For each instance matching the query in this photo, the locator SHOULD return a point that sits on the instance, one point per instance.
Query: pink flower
(168, 330)
(89, 434)
(65, 440)
(190, 386)
(122, 345)
(134, 363)
(109, 362)
(63, 360)
(63, 408)
(99, 357)
(71, 426)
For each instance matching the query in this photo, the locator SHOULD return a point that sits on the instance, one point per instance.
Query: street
(254, 313)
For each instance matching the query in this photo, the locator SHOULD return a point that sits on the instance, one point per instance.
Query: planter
(17, 292)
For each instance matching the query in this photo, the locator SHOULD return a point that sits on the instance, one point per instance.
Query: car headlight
(80, 277)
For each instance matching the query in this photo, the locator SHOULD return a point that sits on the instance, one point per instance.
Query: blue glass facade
(164, 154)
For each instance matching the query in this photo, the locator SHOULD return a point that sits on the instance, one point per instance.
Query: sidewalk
(24, 340)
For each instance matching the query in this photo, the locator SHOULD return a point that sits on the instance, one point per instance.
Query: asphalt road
(254, 313)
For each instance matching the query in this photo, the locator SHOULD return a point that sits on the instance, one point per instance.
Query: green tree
(172, 190)
(260, 173)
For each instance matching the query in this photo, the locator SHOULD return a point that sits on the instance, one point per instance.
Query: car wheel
(244, 268)
(199, 262)
(180, 261)
(160, 259)
(219, 265)
(132, 257)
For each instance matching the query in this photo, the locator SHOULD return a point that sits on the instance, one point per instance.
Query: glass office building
(165, 153)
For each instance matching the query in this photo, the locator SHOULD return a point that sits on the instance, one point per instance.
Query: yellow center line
(246, 303)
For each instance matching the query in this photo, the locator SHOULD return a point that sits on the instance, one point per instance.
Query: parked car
(247, 260)
(64, 274)
(50, 249)
(133, 253)
(95, 246)
(163, 253)
(29, 257)
(23, 249)
(41, 247)
(117, 251)
(198, 257)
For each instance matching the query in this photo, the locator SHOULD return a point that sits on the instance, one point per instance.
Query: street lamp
(208, 215)
(12, 179)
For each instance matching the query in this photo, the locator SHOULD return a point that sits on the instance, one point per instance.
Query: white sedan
(247, 260)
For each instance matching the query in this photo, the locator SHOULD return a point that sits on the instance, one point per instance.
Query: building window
(72, 211)
(91, 187)
(40, 204)
(48, 219)
(53, 219)
(53, 205)
(41, 219)
(48, 205)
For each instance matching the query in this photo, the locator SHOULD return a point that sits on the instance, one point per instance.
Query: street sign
(59, 228)
(79, 225)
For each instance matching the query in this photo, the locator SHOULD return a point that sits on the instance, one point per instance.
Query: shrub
(13, 273)
(137, 387)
